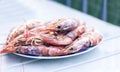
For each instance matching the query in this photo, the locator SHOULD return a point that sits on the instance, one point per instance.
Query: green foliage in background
(94, 9)
(114, 11)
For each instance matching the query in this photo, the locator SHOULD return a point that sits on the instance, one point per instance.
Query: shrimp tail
(7, 49)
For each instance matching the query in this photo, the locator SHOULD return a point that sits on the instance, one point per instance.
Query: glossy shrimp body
(40, 50)
(76, 32)
(94, 37)
(59, 25)
(83, 42)
(63, 24)
(56, 40)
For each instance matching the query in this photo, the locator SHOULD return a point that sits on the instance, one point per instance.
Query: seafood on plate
(53, 38)
(81, 43)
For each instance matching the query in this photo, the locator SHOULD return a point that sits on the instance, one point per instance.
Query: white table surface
(105, 58)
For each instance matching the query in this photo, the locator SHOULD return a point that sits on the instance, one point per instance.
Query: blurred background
(107, 10)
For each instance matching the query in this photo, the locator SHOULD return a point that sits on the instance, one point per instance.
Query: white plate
(57, 57)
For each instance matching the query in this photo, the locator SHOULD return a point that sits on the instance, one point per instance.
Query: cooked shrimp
(77, 45)
(41, 50)
(83, 42)
(56, 39)
(59, 25)
(94, 37)
(63, 24)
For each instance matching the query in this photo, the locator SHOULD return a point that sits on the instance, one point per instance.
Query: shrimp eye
(17, 50)
(58, 31)
(71, 48)
(58, 27)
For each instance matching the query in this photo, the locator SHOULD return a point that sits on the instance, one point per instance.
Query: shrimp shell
(83, 42)
(40, 50)
(63, 24)
(56, 40)
(76, 32)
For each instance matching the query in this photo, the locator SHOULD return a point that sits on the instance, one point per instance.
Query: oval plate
(57, 57)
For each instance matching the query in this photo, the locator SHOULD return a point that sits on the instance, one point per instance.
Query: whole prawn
(90, 38)
(41, 50)
(63, 24)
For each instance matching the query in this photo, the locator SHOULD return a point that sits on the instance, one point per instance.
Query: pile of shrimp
(53, 38)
